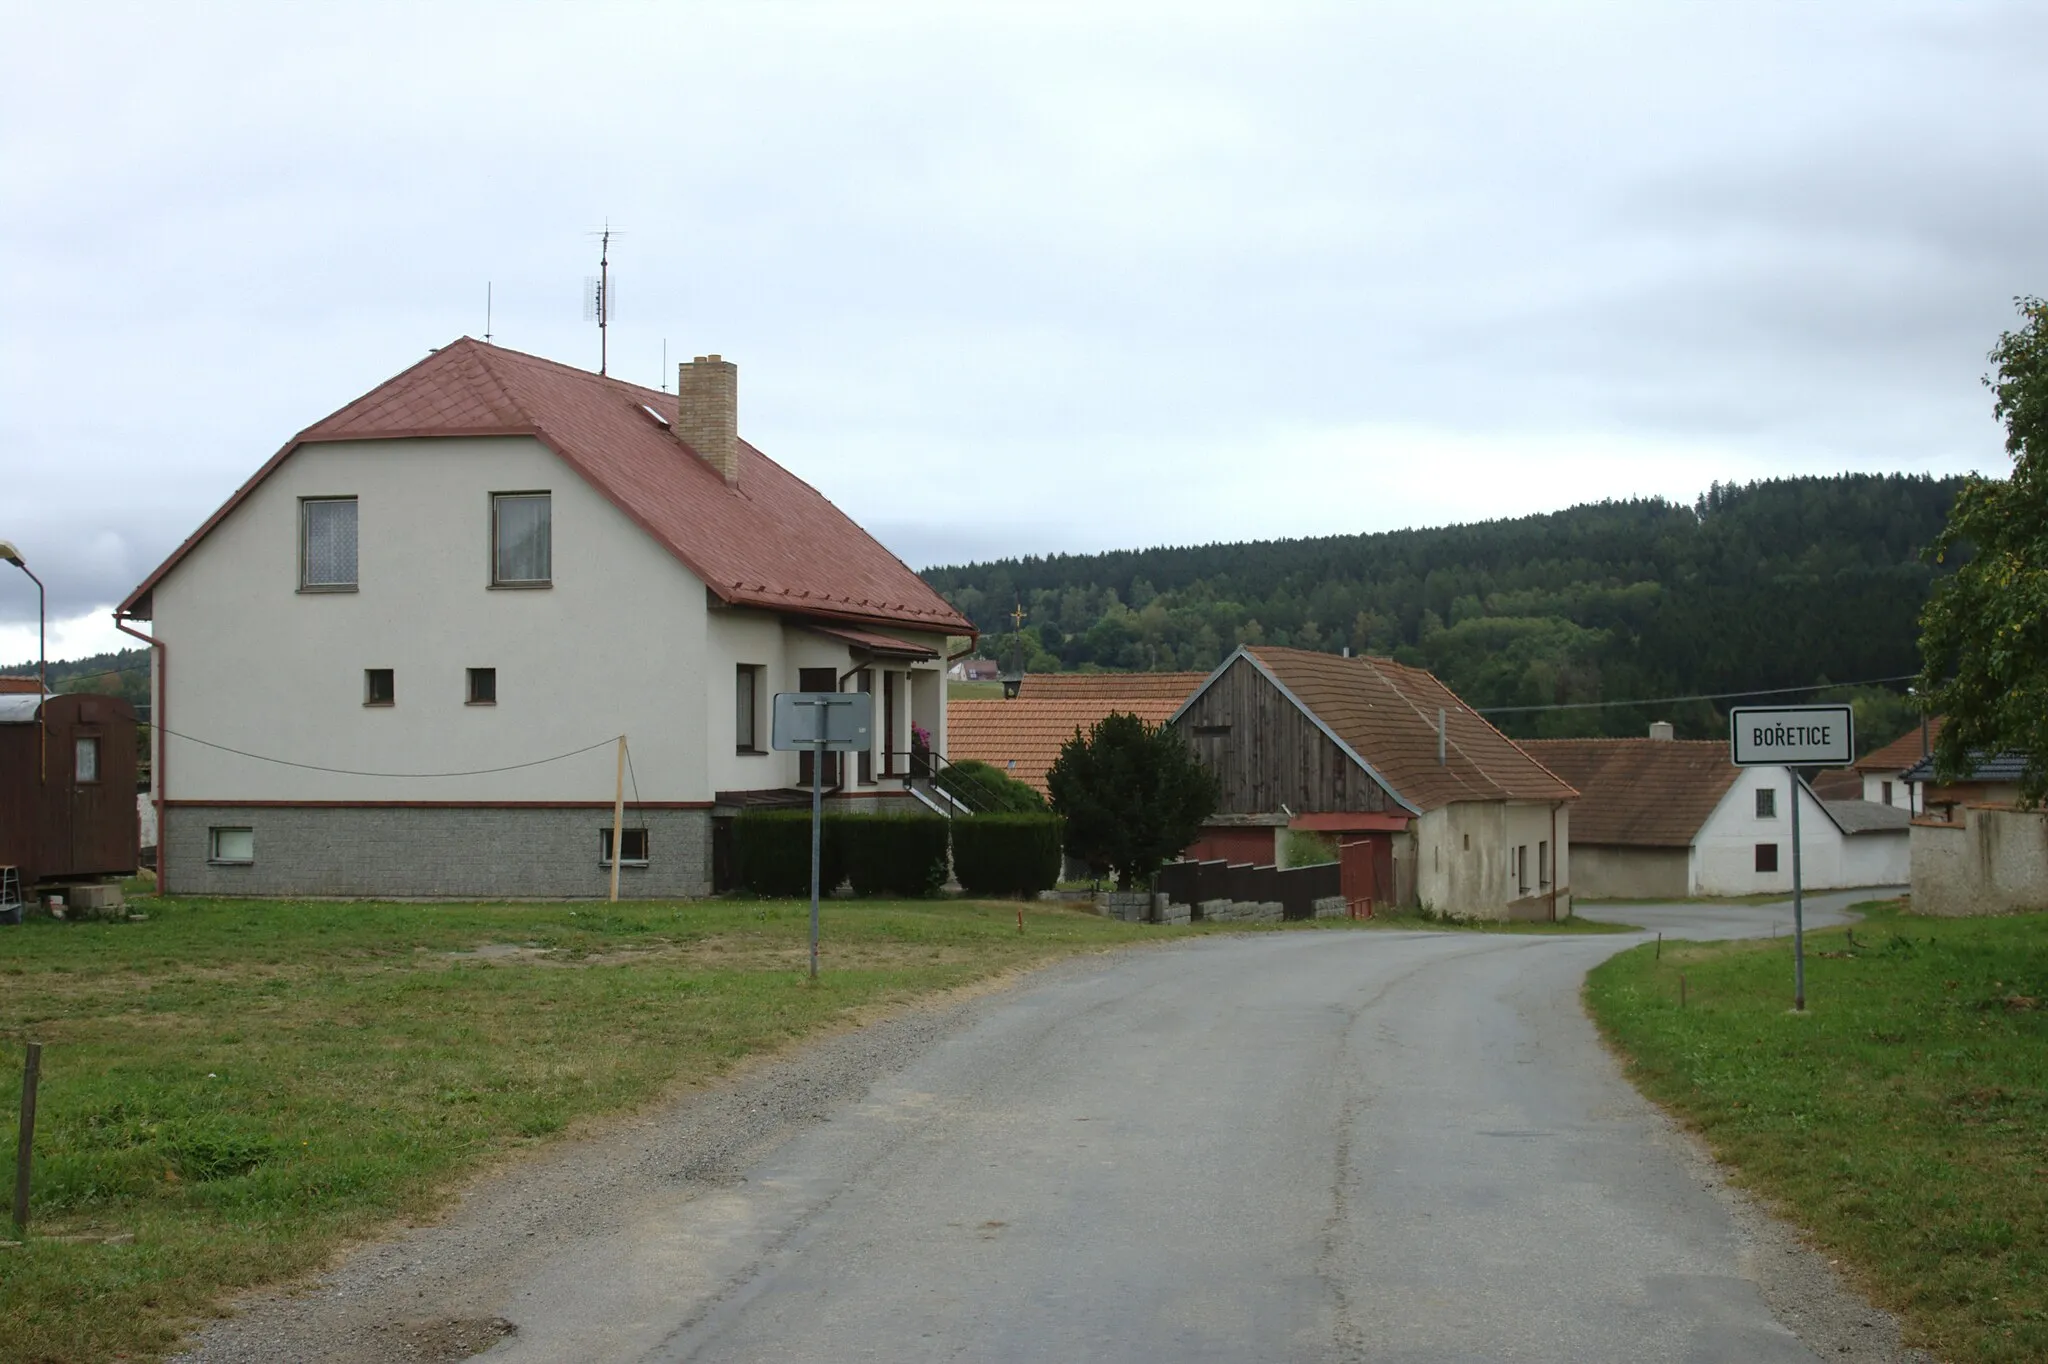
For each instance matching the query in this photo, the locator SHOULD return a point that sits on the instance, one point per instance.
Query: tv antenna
(599, 296)
(487, 312)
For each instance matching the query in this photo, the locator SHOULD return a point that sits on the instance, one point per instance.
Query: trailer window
(86, 768)
(231, 845)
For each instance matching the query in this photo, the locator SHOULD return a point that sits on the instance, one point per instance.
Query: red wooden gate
(1366, 868)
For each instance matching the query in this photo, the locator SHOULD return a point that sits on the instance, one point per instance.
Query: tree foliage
(1984, 634)
(1132, 796)
(1785, 583)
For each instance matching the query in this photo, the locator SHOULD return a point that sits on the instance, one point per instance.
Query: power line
(351, 772)
(1705, 696)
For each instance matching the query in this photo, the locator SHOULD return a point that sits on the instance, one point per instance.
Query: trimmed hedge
(773, 851)
(983, 787)
(901, 855)
(1006, 854)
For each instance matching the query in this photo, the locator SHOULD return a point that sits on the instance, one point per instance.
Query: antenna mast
(597, 296)
(487, 312)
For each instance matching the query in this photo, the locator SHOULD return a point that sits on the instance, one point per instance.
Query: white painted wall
(1723, 858)
(1902, 796)
(1465, 856)
(622, 642)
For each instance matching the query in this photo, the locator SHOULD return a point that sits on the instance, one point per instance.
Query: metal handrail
(960, 794)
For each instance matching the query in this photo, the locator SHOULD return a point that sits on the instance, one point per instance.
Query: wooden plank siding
(1266, 753)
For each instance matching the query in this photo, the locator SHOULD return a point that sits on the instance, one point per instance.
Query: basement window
(635, 841)
(483, 687)
(234, 847)
(380, 687)
(1766, 857)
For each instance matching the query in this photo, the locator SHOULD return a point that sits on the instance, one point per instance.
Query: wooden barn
(1430, 805)
(67, 787)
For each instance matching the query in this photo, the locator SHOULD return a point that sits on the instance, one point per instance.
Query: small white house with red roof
(396, 660)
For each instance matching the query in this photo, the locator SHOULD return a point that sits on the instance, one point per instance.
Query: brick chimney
(708, 417)
(1661, 729)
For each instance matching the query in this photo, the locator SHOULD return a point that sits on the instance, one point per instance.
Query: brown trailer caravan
(67, 787)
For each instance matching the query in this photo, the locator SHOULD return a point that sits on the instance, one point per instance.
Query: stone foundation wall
(466, 852)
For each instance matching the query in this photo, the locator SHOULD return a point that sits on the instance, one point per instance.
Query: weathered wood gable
(1267, 753)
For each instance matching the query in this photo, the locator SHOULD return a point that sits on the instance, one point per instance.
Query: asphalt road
(1305, 1146)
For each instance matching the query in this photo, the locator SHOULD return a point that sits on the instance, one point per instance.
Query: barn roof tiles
(766, 539)
(1386, 714)
(1650, 793)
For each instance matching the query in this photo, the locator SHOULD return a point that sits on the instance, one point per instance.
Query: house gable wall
(1724, 851)
(616, 645)
(1266, 753)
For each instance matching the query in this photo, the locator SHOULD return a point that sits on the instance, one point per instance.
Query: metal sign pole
(817, 828)
(1798, 909)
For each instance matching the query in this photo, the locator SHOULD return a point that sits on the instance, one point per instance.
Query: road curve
(1337, 1146)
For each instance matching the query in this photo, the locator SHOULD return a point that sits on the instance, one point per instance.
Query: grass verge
(1902, 1121)
(247, 1085)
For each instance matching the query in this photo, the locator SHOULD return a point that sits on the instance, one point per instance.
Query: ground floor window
(1766, 857)
(634, 843)
(231, 845)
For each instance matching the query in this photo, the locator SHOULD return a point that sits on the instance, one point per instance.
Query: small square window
(522, 540)
(483, 687)
(1766, 857)
(636, 848)
(380, 687)
(327, 544)
(231, 845)
(86, 762)
(1767, 802)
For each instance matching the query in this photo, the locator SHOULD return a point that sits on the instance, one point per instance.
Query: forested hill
(1783, 583)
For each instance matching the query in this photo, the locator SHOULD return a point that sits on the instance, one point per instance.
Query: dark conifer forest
(1802, 582)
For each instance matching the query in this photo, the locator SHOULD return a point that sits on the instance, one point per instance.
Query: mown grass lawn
(1903, 1120)
(246, 1085)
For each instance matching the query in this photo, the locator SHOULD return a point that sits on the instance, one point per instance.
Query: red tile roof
(1385, 712)
(768, 539)
(1024, 736)
(1652, 793)
(1176, 687)
(1902, 752)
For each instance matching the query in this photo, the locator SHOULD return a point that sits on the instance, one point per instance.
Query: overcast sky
(1007, 279)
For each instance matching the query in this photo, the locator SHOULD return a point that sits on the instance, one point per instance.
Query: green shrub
(773, 852)
(892, 854)
(1304, 848)
(989, 790)
(1006, 854)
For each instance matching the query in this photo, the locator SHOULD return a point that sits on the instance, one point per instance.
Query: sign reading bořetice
(1792, 736)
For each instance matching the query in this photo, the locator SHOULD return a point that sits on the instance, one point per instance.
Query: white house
(1670, 818)
(396, 661)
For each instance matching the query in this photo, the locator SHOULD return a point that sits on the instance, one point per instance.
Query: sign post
(1793, 737)
(821, 722)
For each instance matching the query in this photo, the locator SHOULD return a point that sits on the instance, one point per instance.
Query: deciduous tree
(1984, 633)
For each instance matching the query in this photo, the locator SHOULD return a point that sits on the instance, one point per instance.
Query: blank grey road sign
(1792, 736)
(846, 718)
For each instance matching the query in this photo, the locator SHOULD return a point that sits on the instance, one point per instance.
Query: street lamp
(13, 556)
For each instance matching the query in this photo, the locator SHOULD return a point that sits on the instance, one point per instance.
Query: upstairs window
(1767, 802)
(327, 544)
(522, 540)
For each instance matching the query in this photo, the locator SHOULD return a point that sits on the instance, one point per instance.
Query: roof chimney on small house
(708, 412)
(1661, 729)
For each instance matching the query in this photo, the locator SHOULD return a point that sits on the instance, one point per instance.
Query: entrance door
(817, 679)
